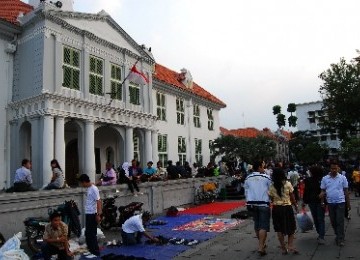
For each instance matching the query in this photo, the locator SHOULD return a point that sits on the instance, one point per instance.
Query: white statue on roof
(186, 78)
(63, 5)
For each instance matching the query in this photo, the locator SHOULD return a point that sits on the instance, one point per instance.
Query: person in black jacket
(311, 197)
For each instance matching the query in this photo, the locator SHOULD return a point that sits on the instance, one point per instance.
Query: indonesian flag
(137, 77)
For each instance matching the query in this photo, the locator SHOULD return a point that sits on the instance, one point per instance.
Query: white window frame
(180, 111)
(198, 151)
(182, 149)
(115, 82)
(96, 75)
(135, 100)
(210, 119)
(72, 67)
(196, 116)
(163, 149)
(161, 106)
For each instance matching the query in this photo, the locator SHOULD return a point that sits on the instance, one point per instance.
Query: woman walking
(282, 196)
(311, 197)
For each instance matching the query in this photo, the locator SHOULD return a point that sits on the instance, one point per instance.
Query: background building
(310, 116)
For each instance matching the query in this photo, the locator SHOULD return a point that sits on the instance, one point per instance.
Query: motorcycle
(35, 227)
(110, 217)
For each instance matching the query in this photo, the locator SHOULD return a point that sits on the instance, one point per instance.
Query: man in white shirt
(294, 177)
(23, 179)
(93, 211)
(335, 187)
(257, 186)
(133, 229)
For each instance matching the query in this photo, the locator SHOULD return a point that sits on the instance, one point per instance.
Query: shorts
(261, 216)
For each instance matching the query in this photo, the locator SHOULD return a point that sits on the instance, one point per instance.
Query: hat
(150, 162)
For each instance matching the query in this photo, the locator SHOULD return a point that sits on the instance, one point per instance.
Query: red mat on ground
(215, 208)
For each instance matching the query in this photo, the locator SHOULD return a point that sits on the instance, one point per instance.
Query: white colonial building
(65, 95)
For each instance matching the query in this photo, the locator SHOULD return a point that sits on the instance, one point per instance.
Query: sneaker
(141, 193)
(135, 195)
(321, 241)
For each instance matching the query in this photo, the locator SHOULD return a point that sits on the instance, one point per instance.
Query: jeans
(49, 250)
(90, 234)
(131, 238)
(318, 214)
(336, 214)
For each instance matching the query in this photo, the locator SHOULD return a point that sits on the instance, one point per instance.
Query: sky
(250, 54)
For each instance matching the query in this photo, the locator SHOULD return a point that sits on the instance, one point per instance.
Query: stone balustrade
(158, 196)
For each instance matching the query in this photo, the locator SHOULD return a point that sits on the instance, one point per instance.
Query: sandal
(284, 250)
(262, 253)
(294, 251)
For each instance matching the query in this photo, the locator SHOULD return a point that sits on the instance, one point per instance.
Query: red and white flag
(137, 77)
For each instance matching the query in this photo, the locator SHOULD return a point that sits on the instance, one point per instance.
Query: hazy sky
(251, 54)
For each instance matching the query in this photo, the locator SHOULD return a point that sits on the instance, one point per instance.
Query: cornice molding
(43, 104)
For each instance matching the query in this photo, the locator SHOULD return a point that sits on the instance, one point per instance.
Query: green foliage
(292, 121)
(350, 148)
(280, 120)
(276, 109)
(340, 91)
(249, 149)
(306, 148)
(291, 107)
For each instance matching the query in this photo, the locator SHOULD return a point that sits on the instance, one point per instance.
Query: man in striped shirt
(257, 186)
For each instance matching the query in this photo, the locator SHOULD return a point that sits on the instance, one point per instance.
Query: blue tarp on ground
(162, 252)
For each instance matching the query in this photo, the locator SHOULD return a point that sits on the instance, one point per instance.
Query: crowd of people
(271, 191)
(274, 192)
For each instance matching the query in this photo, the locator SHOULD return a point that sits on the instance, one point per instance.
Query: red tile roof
(171, 77)
(10, 10)
(252, 132)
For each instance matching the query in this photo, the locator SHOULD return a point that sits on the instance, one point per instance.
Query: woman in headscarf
(125, 176)
(282, 196)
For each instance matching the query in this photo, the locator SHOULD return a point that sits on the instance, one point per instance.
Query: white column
(154, 137)
(148, 146)
(48, 148)
(89, 164)
(60, 141)
(129, 144)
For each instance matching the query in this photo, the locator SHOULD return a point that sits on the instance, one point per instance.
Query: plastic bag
(11, 249)
(305, 221)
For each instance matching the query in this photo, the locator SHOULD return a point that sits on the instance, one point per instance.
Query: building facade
(69, 97)
(310, 116)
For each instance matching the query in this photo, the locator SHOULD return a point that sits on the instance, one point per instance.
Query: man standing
(294, 177)
(55, 238)
(257, 186)
(23, 179)
(335, 186)
(93, 211)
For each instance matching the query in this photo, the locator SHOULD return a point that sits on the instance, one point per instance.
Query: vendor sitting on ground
(55, 239)
(133, 229)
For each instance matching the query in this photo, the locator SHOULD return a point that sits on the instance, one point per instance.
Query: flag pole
(122, 83)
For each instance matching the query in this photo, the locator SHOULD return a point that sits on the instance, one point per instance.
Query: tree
(305, 147)
(248, 149)
(281, 118)
(340, 92)
(350, 148)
